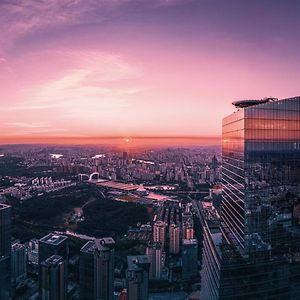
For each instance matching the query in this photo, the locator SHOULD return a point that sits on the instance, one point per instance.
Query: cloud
(20, 17)
(92, 82)
(26, 125)
(24, 128)
(27, 106)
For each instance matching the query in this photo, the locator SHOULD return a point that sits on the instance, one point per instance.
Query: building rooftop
(251, 102)
(160, 224)
(141, 189)
(173, 225)
(157, 197)
(98, 245)
(118, 185)
(209, 211)
(186, 242)
(17, 246)
(53, 239)
(52, 260)
(154, 245)
(135, 262)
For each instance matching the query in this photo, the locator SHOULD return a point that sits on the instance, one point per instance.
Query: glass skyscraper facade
(261, 199)
(260, 211)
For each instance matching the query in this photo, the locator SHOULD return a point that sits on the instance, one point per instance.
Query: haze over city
(162, 68)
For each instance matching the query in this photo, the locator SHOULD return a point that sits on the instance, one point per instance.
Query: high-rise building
(138, 277)
(52, 281)
(187, 216)
(187, 230)
(187, 224)
(18, 263)
(174, 239)
(97, 269)
(53, 244)
(189, 259)
(260, 205)
(211, 251)
(49, 245)
(214, 162)
(155, 253)
(5, 251)
(159, 232)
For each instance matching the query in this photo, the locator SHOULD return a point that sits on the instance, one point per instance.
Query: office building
(260, 205)
(211, 251)
(159, 232)
(5, 251)
(174, 239)
(52, 281)
(53, 244)
(49, 245)
(18, 263)
(189, 259)
(97, 269)
(156, 256)
(138, 277)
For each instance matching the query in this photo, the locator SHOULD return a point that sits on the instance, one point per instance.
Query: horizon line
(113, 139)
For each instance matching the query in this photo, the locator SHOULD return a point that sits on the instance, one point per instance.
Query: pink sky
(85, 68)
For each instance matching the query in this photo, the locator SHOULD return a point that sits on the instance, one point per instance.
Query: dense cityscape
(149, 150)
(73, 200)
(87, 222)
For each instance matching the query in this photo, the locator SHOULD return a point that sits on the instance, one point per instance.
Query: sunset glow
(161, 68)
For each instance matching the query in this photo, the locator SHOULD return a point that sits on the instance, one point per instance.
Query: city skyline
(149, 149)
(74, 70)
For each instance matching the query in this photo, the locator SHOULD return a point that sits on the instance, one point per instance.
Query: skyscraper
(260, 206)
(174, 238)
(53, 244)
(211, 251)
(5, 251)
(18, 263)
(187, 216)
(49, 245)
(214, 162)
(97, 269)
(189, 259)
(187, 230)
(138, 277)
(52, 281)
(155, 253)
(159, 232)
(187, 224)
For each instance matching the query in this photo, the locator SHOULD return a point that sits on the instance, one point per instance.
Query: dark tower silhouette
(5, 251)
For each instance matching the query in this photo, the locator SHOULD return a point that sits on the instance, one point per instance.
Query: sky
(140, 68)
